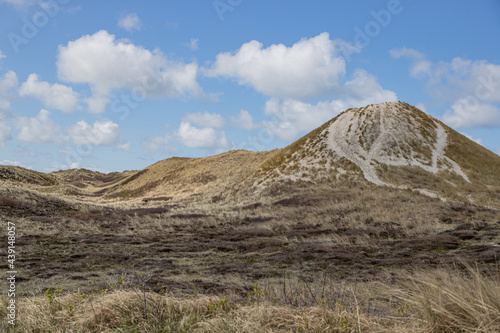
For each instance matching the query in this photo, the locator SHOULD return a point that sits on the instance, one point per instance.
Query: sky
(121, 84)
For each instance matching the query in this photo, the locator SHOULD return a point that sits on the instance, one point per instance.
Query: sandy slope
(384, 134)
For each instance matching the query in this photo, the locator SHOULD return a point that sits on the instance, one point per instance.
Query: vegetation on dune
(281, 156)
(22, 175)
(481, 165)
(437, 300)
(291, 240)
(307, 159)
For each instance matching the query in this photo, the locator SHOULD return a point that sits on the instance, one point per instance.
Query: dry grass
(440, 300)
(481, 165)
(293, 240)
(236, 175)
(196, 179)
(122, 311)
(326, 244)
(452, 301)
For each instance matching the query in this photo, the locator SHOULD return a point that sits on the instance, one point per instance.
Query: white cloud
(130, 22)
(125, 146)
(19, 3)
(472, 88)
(171, 24)
(39, 129)
(55, 96)
(467, 114)
(67, 156)
(4, 133)
(450, 81)
(7, 84)
(72, 10)
(156, 144)
(470, 137)
(205, 119)
(244, 120)
(308, 68)
(14, 163)
(101, 133)
(193, 44)
(421, 67)
(460, 78)
(97, 103)
(363, 89)
(42, 129)
(107, 64)
(422, 107)
(208, 138)
(405, 52)
(2, 56)
(294, 117)
(57, 167)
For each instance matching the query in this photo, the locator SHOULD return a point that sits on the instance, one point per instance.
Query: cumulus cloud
(450, 81)
(130, 22)
(293, 117)
(467, 114)
(397, 53)
(14, 163)
(4, 133)
(2, 56)
(39, 129)
(472, 88)
(193, 44)
(4, 128)
(244, 120)
(459, 78)
(7, 86)
(470, 137)
(422, 107)
(156, 144)
(70, 163)
(364, 89)
(205, 119)
(312, 67)
(308, 68)
(55, 95)
(207, 138)
(19, 3)
(101, 133)
(125, 146)
(42, 129)
(421, 67)
(108, 64)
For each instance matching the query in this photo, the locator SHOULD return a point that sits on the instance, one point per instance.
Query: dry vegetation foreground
(353, 258)
(434, 301)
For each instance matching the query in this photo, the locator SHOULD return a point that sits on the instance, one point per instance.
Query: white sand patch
(385, 134)
(430, 194)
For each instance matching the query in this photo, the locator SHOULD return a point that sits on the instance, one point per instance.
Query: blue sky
(116, 85)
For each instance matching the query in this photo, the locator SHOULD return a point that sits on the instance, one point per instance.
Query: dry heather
(436, 300)
(292, 240)
(289, 260)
